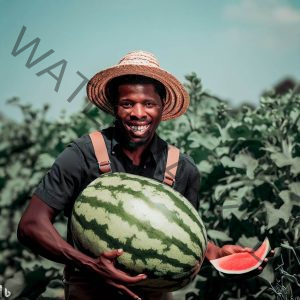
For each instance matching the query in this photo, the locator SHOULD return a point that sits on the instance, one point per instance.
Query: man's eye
(126, 104)
(149, 104)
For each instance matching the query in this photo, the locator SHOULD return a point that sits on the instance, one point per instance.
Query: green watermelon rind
(177, 212)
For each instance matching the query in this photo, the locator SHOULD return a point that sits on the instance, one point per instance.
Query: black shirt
(77, 166)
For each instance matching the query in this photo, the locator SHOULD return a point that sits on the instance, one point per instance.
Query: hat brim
(176, 102)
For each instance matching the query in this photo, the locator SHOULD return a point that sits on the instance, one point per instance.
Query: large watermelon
(160, 232)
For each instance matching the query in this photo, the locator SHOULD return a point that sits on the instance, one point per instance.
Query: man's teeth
(139, 128)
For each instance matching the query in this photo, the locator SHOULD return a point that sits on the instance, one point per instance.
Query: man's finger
(114, 273)
(112, 254)
(195, 270)
(247, 249)
(123, 277)
(263, 264)
(232, 249)
(271, 253)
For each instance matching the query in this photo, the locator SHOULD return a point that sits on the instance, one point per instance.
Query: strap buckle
(169, 180)
(104, 166)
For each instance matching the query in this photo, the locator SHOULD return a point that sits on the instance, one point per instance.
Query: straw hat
(146, 64)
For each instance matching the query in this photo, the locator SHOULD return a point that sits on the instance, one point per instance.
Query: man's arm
(37, 232)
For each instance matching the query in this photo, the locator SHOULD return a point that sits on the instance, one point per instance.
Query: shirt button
(144, 166)
(113, 152)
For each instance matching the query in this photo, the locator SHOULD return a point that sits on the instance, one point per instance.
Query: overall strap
(171, 166)
(100, 151)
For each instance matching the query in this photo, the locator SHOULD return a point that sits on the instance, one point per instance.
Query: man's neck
(137, 154)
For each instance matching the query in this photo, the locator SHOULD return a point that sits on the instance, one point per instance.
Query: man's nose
(138, 111)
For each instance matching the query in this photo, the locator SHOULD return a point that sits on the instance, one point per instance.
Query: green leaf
(268, 274)
(233, 202)
(231, 206)
(242, 161)
(249, 163)
(220, 151)
(225, 136)
(35, 178)
(61, 228)
(44, 161)
(291, 196)
(281, 160)
(248, 241)
(16, 284)
(294, 187)
(4, 225)
(295, 166)
(228, 162)
(207, 141)
(11, 190)
(218, 235)
(284, 158)
(220, 189)
(205, 167)
(194, 137)
(239, 131)
(52, 293)
(274, 215)
(14, 169)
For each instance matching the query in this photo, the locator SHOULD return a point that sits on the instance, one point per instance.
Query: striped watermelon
(160, 232)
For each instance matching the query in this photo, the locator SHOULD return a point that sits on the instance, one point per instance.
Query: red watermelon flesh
(244, 262)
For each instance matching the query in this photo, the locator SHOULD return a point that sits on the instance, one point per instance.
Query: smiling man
(140, 95)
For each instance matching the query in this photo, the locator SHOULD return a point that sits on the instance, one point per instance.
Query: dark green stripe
(161, 207)
(114, 243)
(174, 195)
(143, 226)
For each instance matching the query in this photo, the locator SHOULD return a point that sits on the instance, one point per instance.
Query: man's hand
(232, 249)
(195, 270)
(105, 267)
(214, 252)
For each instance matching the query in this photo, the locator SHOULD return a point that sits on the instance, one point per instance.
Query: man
(140, 95)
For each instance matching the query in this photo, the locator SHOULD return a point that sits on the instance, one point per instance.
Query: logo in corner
(4, 292)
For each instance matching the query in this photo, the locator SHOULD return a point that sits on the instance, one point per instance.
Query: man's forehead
(137, 87)
(138, 90)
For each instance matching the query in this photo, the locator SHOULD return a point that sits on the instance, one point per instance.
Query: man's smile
(139, 129)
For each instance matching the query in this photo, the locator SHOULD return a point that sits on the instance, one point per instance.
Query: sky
(237, 47)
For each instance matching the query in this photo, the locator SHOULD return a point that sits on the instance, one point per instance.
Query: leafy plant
(249, 159)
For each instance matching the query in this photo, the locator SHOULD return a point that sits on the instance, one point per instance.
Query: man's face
(139, 109)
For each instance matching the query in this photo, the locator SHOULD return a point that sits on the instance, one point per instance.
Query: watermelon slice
(244, 262)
